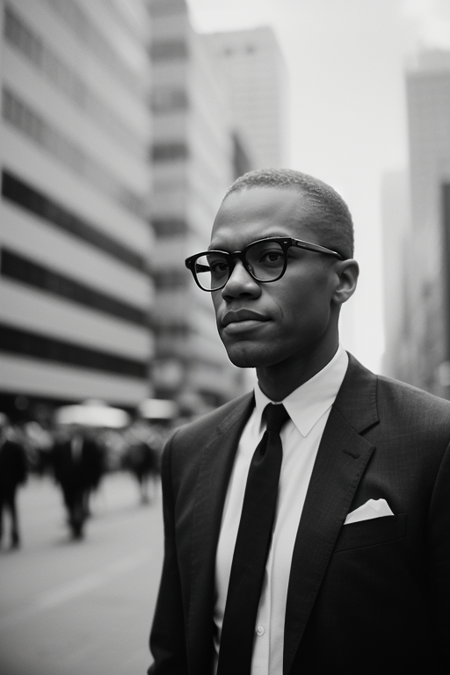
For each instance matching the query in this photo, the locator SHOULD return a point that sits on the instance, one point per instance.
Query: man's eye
(271, 257)
(218, 266)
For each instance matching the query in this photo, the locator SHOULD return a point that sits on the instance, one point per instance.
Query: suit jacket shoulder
(212, 421)
(366, 399)
(413, 403)
(188, 442)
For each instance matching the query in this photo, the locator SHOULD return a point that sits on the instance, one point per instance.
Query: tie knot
(276, 416)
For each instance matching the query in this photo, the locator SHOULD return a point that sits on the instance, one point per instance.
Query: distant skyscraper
(258, 81)
(75, 238)
(428, 91)
(427, 286)
(397, 247)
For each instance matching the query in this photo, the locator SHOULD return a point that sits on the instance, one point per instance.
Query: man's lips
(241, 316)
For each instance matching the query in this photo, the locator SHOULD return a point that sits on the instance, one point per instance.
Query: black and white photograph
(225, 337)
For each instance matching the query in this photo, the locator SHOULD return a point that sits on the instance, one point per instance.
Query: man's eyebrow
(272, 235)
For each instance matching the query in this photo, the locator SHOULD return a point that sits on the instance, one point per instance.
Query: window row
(66, 80)
(71, 12)
(169, 152)
(27, 343)
(30, 123)
(23, 270)
(36, 202)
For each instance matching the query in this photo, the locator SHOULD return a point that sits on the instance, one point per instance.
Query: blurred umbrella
(92, 413)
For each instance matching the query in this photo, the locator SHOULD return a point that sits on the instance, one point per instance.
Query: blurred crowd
(77, 458)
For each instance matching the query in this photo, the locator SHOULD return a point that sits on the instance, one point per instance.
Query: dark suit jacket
(369, 597)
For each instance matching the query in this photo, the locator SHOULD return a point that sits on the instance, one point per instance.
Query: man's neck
(280, 380)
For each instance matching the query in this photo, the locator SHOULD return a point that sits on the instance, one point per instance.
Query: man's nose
(240, 282)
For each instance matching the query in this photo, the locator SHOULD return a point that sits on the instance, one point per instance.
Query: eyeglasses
(265, 260)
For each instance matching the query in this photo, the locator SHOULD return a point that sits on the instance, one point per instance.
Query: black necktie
(251, 550)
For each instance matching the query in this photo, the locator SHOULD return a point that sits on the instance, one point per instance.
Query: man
(78, 463)
(356, 575)
(13, 473)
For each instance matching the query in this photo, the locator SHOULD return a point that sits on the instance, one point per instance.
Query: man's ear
(347, 272)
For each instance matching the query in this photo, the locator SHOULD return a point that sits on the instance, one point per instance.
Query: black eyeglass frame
(284, 242)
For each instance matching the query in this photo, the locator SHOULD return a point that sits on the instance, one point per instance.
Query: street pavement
(81, 607)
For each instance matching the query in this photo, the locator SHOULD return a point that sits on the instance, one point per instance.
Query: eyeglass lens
(265, 260)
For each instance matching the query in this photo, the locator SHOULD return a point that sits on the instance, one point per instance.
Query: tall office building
(258, 81)
(196, 154)
(395, 202)
(428, 97)
(428, 88)
(75, 237)
(425, 339)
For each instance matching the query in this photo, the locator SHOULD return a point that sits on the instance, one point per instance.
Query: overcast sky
(346, 61)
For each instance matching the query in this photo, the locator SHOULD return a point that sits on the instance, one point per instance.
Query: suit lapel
(341, 460)
(216, 465)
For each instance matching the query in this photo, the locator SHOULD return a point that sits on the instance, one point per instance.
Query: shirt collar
(314, 398)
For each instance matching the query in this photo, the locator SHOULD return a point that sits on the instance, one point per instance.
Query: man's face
(288, 321)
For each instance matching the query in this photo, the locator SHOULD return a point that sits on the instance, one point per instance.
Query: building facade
(257, 77)
(395, 202)
(196, 153)
(76, 292)
(422, 351)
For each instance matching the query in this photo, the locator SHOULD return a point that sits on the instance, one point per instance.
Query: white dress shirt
(308, 408)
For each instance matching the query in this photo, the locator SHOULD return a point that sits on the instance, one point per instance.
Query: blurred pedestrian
(13, 472)
(78, 463)
(141, 458)
(39, 442)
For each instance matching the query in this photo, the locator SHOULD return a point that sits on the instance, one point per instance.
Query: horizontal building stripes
(38, 203)
(169, 227)
(170, 152)
(20, 36)
(27, 343)
(26, 271)
(172, 279)
(85, 30)
(73, 156)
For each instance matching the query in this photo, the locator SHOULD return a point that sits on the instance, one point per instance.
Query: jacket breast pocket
(371, 532)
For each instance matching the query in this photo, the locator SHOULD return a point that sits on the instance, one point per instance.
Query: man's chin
(244, 356)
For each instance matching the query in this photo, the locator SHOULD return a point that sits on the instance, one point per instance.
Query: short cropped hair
(333, 215)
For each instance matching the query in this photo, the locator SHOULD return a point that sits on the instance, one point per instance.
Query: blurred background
(123, 123)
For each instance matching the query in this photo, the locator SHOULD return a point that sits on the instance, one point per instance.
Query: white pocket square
(374, 508)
